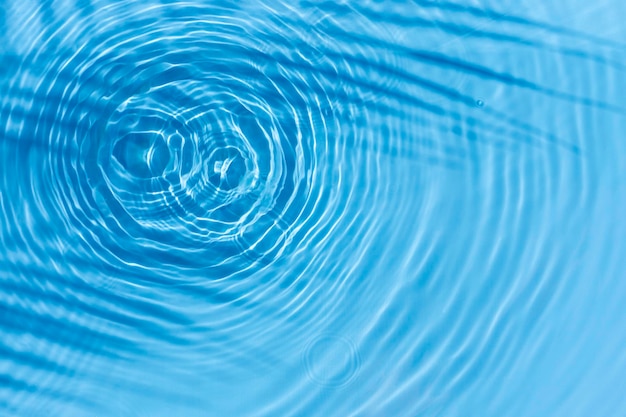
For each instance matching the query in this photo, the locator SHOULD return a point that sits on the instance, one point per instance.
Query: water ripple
(315, 208)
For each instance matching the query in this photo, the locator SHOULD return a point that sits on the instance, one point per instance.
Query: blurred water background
(312, 208)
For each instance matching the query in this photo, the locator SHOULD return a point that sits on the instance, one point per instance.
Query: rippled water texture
(302, 208)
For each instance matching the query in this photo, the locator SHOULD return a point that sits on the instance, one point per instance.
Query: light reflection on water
(313, 208)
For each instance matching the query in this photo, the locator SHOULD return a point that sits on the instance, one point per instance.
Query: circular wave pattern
(331, 360)
(241, 194)
(193, 150)
(185, 141)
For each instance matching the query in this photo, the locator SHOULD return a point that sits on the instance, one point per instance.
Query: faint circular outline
(353, 363)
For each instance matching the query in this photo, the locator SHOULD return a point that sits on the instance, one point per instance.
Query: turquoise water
(267, 208)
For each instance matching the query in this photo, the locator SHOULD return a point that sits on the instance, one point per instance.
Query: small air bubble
(480, 103)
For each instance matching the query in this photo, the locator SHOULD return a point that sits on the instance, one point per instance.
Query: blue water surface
(312, 208)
